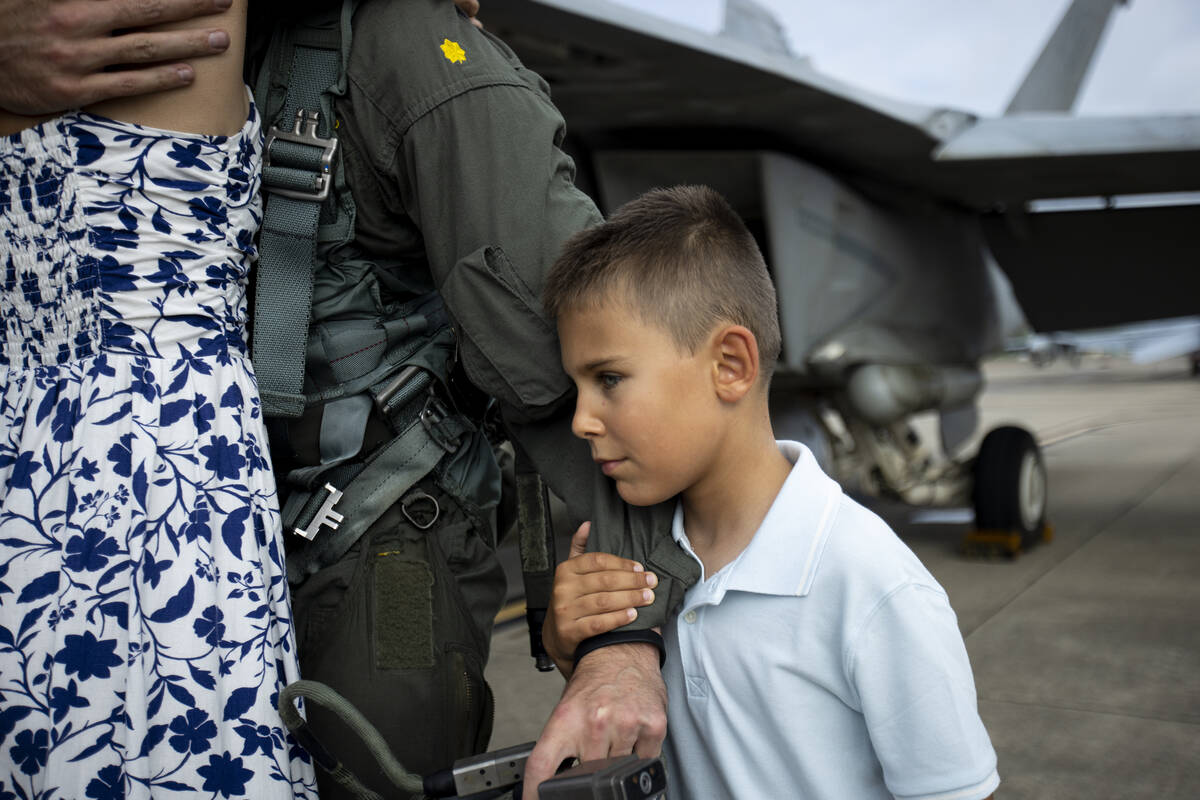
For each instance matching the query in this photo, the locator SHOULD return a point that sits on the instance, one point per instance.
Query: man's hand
(53, 52)
(614, 704)
(593, 593)
(470, 8)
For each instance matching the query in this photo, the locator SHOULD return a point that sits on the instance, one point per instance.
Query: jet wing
(623, 78)
(1010, 160)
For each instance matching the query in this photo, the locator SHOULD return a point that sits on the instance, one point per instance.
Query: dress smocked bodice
(117, 238)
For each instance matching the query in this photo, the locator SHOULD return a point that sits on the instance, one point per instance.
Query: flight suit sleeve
(480, 170)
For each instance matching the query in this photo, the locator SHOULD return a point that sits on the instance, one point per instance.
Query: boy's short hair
(684, 259)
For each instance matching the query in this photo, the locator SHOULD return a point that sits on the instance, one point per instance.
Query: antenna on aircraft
(1054, 81)
(754, 24)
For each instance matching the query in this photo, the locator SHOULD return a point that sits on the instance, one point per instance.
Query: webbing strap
(391, 471)
(537, 553)
(283, 303)
(288, 243)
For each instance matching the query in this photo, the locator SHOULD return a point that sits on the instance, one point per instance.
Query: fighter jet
(883, 223)
(1140, 342)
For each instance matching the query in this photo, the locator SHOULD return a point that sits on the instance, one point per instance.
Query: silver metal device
(489, 771)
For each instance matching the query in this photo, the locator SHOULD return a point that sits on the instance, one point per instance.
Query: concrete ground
(1086, 650)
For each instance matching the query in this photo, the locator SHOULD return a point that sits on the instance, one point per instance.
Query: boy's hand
(53, 52)
(593, 593)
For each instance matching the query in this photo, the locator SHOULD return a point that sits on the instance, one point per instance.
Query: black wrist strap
(646, 635)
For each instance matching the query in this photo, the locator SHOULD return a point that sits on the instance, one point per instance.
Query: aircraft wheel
(1010, 484)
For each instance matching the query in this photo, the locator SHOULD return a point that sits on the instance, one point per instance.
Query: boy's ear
(735, 362)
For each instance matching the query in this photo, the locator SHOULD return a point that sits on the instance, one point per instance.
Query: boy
(817, 658)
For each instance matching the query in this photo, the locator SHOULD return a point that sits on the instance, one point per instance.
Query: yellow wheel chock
(1010, 543)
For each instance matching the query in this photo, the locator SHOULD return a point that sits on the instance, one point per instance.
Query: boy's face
(647, 408)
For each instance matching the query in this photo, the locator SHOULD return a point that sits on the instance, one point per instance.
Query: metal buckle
(305, 132)
(325, 515)
(431, 416)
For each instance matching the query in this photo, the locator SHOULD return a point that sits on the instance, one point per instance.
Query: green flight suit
(452, 152)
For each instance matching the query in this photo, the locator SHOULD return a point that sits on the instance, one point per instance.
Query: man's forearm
(615, 703)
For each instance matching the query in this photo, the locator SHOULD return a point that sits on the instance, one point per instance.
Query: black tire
(1010, 484)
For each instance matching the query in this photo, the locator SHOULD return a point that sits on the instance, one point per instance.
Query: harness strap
(537, 553)
(390, 472)
(298, 175)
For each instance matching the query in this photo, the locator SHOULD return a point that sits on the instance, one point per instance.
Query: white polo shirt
(825, 662)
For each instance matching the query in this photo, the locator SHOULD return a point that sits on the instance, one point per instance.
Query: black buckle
(393, 389)
(304, 132)
(432, 416)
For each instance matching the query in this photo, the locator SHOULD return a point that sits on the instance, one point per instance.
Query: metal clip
(304, 132)
(431, 416)
(325, 515)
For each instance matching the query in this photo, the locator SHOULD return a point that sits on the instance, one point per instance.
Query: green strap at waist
(392, 470)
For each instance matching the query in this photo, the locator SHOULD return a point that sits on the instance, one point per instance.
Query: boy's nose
(585, 424)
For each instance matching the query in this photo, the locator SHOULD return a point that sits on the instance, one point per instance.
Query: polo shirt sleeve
(910, 669)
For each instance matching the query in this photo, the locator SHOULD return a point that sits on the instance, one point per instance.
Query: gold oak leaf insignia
(453, 51)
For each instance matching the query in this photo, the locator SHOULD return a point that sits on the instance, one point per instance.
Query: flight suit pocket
(508, 347)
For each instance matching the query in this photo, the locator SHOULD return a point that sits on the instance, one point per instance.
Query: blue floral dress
(145, 629)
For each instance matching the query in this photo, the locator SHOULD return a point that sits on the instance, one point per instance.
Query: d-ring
(416, 505)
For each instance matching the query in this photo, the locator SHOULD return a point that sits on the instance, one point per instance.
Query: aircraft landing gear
(1009, 492)
(1005, 482)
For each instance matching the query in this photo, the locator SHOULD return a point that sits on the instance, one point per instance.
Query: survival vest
(325, 334)
(328, 338)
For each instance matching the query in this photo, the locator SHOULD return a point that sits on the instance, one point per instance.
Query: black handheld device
(619, 778)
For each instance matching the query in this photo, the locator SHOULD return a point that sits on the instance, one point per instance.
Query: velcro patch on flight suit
(403, 613)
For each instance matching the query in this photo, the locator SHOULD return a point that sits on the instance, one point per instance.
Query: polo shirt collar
(783, 556)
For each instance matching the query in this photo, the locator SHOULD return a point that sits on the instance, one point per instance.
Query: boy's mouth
(607, 466)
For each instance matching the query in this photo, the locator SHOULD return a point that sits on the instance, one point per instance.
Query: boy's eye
(608, 380)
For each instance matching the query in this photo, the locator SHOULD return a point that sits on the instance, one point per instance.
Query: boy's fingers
(604, 602)
(602, 562)
(614, 581)
(579, 540)
(597, 624)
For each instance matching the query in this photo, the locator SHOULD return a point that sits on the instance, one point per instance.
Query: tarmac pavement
(1086, 650)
